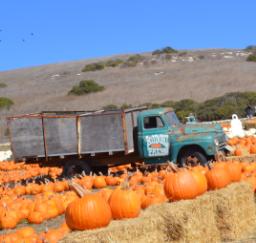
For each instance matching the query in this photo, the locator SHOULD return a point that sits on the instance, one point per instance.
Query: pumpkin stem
(209, 165)
(77, 188)
(125, 184)
(172, 166)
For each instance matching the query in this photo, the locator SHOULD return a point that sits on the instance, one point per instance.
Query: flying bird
(32, 34)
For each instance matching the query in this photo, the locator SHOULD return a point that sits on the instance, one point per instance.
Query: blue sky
(48, 31)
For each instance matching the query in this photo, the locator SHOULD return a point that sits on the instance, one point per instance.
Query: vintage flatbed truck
(85, 141)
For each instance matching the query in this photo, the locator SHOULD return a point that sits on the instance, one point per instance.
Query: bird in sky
(23, 39)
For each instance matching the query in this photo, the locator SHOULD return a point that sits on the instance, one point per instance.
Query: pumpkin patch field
(171, 204)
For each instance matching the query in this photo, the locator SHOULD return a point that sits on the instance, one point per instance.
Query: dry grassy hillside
(198, 75)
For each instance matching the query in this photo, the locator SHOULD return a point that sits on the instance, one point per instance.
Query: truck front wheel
(72, 168)
(192, 157)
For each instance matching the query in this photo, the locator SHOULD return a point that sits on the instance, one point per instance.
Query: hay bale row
(226, 214)
(246, 158)
(235, 211)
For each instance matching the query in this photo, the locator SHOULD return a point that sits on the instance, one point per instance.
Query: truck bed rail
(61, 133)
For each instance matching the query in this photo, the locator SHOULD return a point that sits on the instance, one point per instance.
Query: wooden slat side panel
(101, 133)
(27, 137)
(60, 135)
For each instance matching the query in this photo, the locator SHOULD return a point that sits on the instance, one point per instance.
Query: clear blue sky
(34, 32)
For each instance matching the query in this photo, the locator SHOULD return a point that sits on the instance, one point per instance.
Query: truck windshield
(172, 118)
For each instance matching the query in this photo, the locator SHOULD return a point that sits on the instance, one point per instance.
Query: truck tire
(76, 167)
(192, 157)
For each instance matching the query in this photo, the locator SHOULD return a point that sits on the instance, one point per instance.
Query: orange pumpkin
(217, 178)
(253, 149)
(9, 220)
(238, 152)
(181, 185)
(99, 182)
(235, 171)
(26, 232)
(152, 199)
(124, 203)
(89, 212)
(35, 217)
(201, 181)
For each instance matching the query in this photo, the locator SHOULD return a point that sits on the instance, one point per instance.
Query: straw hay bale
(142, 229)
(189, 220)
(226, 214)
(235, 211)
(244, 158)
(183, 221)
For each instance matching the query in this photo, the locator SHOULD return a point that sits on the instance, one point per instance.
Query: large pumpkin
(181, 185)
(89, 212)
(217, 178)
(124, 203)
(201, 181)
(235, 171)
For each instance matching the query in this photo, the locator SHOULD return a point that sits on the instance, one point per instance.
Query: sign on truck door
(154, 138)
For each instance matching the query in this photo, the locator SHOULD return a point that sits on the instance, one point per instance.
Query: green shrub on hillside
(86, 87)
(224, 106)
(250, 48)
(251, 58)
(5, 103)
(213, 109)
(133, 60)
(136, 58)
(113, 62)
(125, 106)
(165, 50)
(3, 85)
(93, 67)
(168, 103)
(110, 107)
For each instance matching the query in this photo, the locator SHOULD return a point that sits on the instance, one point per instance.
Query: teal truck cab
(93, 140)
(161, 137)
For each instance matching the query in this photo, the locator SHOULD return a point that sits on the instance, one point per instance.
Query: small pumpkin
(99, 182)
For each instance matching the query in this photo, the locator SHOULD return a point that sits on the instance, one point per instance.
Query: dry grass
(203, 79)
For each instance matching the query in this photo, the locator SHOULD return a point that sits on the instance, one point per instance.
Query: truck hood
(202, 128)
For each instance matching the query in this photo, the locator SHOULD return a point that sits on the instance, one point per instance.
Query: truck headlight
(216, 141)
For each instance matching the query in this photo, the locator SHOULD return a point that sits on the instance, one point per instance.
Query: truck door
(154, 138)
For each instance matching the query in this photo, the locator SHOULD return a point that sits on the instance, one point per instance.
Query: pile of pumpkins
(141, 191)
(243, 146)
(28, 234)
(90, 201)
(14, 172)
(14, 209)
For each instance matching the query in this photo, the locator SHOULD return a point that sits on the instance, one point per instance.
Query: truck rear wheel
(191, 157)
(76, 167)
